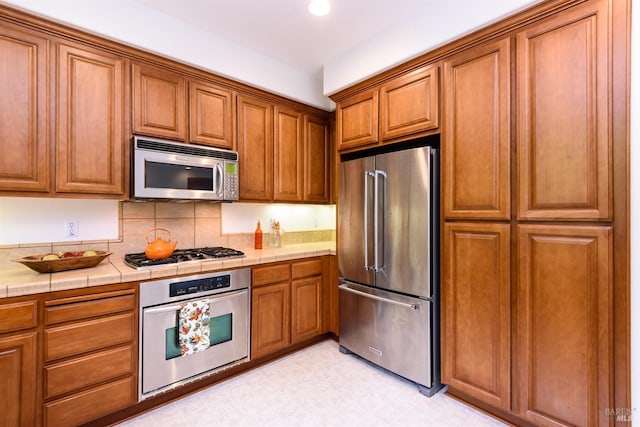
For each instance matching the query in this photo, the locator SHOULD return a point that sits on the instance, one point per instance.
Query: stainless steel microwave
(164, 169)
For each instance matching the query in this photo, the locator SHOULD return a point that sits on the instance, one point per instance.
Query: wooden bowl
(36, 263)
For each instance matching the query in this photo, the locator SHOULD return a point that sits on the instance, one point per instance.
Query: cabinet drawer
(89, 370)
(64, 341)
(306, 268)
(78, 308)
(21, 315)
(271, 274)
(91, 404)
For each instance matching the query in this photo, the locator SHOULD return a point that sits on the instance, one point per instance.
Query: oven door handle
(176, 307)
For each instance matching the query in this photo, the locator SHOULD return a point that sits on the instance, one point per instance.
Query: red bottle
(258, 237)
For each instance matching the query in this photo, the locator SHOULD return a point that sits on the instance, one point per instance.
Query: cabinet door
(211, 115)
(476, 310)
(255, 148)
(409, 104)
(18, 385)
(476, 134)
(306, 308)
(288, 178)
(159, 103)
(24, 123)
(564, 307)
(270, 318)
(317, 170)
(91, 121)
(357, 120)
(564, 146)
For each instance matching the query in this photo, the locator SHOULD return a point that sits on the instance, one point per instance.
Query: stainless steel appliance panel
(159, 371)
(404, 237)
(390, 330)
(356, 224)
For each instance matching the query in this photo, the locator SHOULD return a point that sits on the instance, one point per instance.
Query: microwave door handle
(218, 180)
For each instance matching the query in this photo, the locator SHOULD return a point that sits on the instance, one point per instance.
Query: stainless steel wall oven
(225, 297)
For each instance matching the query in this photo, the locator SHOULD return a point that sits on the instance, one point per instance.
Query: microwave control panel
(231, 181)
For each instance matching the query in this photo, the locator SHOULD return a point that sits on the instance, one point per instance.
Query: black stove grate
(140, 260)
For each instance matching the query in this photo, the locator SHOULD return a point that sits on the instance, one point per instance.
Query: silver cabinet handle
(377, 298)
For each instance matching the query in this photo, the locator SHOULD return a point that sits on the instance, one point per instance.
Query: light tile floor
(317, 386)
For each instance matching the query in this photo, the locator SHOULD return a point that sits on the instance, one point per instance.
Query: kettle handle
(157, 228)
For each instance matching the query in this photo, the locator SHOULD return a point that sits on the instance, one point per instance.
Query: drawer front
(306, 268)
(89, 370)
(83, 407)
(64, 341)
(271, 274)
(64, 310)
(21, 315)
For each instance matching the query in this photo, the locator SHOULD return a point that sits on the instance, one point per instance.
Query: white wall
(36, 220)
(242, 217)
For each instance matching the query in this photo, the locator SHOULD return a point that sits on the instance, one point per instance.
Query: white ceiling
(286, 31)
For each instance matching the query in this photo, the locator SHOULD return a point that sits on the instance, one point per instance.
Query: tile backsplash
(192, 224)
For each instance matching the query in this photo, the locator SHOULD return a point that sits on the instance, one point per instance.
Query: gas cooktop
(140, 260)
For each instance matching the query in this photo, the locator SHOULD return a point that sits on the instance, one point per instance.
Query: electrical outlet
(71, 229)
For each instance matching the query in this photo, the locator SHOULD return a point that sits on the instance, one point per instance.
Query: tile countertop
(24, 281)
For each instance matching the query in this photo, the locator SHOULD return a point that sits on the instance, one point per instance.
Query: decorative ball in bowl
(63, 261)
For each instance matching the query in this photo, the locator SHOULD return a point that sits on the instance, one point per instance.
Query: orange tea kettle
(159, 248)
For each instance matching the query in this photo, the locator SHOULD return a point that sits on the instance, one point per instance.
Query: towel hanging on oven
(193, 327)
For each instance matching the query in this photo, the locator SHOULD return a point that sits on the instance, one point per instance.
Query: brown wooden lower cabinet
(270, 330)
(86, 406)
(90, 356)
(534, 346)
(18, 379)
(564, 324)
(476, 315)
(288, 304)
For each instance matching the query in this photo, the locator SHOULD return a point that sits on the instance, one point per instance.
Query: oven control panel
(199, 285)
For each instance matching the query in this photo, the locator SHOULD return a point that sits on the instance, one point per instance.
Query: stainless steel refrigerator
(388, 262)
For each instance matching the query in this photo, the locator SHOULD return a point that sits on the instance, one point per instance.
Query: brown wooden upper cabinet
(317, 167)
(284, 153)
(288, 163)
(24, 164)
(357, 120)
(402, 108)
(92, 117)
(170, 105)
(476, 133)
(564, 144)
(409, 104)
(255, 148)
(211, 115)
(90, 107)
(159, 103)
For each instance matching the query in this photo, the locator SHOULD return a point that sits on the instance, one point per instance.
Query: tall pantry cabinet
(527, 287)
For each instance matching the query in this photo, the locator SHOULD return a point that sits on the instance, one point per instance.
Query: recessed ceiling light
(320, 7)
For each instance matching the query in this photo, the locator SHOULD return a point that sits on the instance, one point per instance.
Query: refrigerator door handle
(376, 219)
(367, 174)
(346, 287)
